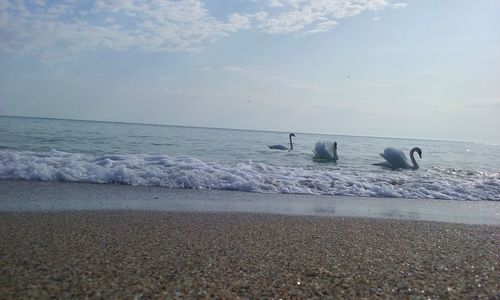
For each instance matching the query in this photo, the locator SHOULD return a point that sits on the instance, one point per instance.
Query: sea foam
(192, 173)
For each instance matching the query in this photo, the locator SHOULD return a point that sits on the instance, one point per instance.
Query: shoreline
(22, 195)
(152, 254)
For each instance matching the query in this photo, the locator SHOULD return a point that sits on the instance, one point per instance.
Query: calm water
(204, 158)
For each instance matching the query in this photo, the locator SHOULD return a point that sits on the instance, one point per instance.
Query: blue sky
(425, 69)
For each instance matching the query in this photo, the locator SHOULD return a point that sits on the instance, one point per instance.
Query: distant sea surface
(225, 159)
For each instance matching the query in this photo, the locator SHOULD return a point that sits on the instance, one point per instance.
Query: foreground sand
(189, 255)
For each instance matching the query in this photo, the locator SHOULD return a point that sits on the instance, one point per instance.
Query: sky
(418, 69)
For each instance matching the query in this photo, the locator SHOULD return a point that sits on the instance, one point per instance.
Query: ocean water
(224, 159)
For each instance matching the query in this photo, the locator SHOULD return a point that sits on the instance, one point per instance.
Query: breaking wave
(192, 173)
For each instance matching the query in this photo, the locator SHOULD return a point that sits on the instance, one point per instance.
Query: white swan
(281, 147)
(326, 151)
(396, 159)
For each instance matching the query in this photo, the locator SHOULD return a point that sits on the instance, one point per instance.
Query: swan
(326, 150)
(396, 159)
(281, 147)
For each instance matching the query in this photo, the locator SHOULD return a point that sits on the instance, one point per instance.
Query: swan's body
(281, 147)
(326, 151)
(396, 159)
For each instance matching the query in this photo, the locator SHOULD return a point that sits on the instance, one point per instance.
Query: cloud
(313, 16)
(59, 30)
(243, 71)
(399, 5)
(322, 27)
(63, 29)
(275, 3)
(237, 21)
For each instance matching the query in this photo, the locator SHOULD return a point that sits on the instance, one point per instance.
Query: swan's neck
(335, 157)
(414, 162)
(291, 144)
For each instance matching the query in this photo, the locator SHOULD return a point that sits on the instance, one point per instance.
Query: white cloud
(312, 16)
(399, 5)
(63, 29)
(275, 3)
(261, 16)
(322, 27)
(237, 21)
(242, 71)
(288, 22)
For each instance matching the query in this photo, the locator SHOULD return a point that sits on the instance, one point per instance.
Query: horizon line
(241, 129)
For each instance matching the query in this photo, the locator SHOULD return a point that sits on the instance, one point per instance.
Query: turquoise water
(224, 159)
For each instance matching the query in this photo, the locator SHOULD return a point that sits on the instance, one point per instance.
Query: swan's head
(291, 134)
(418, 150)
(334, 145)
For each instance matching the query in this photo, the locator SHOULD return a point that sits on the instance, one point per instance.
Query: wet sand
(21, 195)
(147, 254)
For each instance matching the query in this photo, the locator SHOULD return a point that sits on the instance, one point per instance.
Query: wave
(192, 173)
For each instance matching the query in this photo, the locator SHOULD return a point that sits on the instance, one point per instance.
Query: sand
(140, 255)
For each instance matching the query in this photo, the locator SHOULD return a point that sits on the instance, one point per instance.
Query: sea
(178, 157)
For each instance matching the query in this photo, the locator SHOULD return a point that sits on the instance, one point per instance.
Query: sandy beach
(139, 254)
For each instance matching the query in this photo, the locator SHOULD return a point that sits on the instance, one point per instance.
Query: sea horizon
(494, 143)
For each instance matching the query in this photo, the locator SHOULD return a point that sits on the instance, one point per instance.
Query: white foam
(192, 173)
